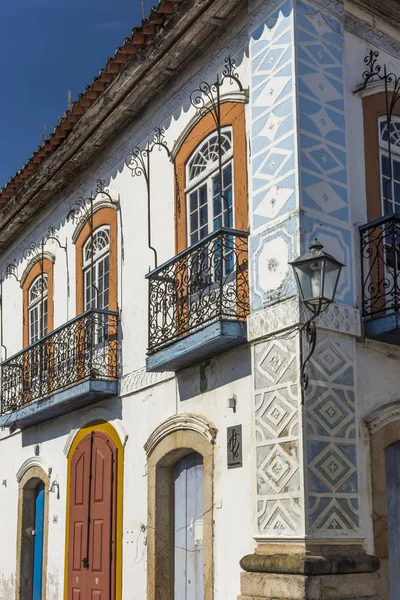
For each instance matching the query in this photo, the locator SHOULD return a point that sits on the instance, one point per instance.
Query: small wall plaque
(234, 447)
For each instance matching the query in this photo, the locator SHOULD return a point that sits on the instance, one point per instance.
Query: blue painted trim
(202, 344)
(38, 544)
(384, 329)
(61, 403)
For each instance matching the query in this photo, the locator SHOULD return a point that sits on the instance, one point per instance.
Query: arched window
(209, 206)
(38, 309)
(96, 254)
(96, 269)
(390, 165)
(198, 207)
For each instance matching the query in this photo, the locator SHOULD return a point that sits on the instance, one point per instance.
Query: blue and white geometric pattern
(331, 432)
(272, 120)
(321, 111)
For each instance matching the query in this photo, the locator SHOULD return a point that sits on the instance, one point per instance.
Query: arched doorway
(32, 532)
(92, 516)
(180, 530)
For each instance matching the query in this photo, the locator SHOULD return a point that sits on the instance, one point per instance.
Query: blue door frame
(38, 543)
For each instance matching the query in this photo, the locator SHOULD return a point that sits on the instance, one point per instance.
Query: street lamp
(317, 274)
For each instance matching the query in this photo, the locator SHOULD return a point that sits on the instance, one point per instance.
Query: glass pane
(203, 216)
(227, 175)
(396, 170)
(203, 194)
(194, 221)
(203, 232)
(385, 166)
(193, 201)
(397, 192)
(216, 185)
(217, 205)
(194, 237)
(331, 273)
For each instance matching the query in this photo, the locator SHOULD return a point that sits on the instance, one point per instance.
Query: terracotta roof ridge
(132, 44)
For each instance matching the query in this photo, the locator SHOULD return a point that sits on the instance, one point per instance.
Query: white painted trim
(331, 541)
(34, 461)
(240, 97)
(46, 255)
(99, 413)
(179, 423)
(97, 206)
(383, 416)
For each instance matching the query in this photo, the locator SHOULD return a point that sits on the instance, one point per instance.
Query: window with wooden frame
(38, 309)
(390, 165)
(97, 250)
(209, 206)
(37, 289)
(198, 206)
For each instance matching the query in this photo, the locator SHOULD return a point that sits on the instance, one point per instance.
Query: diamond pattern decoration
(275, 414)
(332, 467)
(276, 360)
(278, 468)
(329, 361)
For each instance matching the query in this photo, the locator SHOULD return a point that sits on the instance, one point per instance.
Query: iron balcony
(199, 301)
(380, 272)
(72, 366)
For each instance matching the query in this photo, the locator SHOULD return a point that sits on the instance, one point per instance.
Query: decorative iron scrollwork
(206, 282)
(85, 348)
(138, 162)
(380, 262)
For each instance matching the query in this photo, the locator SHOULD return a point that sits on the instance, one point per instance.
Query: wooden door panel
(77, 546)
(188, 517)
(92, 519)
(392, 459)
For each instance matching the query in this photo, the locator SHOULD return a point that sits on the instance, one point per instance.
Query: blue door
(188, 528)
(38, 543)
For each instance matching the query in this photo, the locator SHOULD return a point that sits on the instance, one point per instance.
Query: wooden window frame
(374, 107)
(34, 272)
(233, 115)
(103, 216)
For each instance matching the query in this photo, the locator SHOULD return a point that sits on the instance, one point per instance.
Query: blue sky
(46, 48)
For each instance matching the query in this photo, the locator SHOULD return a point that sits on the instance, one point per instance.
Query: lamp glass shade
(317, 275)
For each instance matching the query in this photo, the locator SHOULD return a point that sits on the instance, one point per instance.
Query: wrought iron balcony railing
(205, 283)
(84, 348)
(380, 266)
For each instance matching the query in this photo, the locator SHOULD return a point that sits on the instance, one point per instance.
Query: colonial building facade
(156, 440)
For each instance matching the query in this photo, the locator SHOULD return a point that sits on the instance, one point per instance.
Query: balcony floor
(200, 345)
(60, 402)
(384, 329)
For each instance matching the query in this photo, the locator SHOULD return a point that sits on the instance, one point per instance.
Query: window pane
(227, 175)
(385, 166)
(217, 205)
(397, 192)
(193, 201)
(203, 216)
(194, 221)
(396, 170)
(194, 237)
(203, 194)
(203, 231)
(216, 185)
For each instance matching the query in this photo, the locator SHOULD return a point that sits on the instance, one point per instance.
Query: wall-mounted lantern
(317, 274)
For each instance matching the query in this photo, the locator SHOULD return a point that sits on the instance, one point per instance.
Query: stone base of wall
(301, 577)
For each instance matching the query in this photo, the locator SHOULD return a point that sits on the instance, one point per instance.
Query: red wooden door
(91, 548)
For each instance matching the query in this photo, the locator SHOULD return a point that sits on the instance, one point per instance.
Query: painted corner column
(306, 454)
